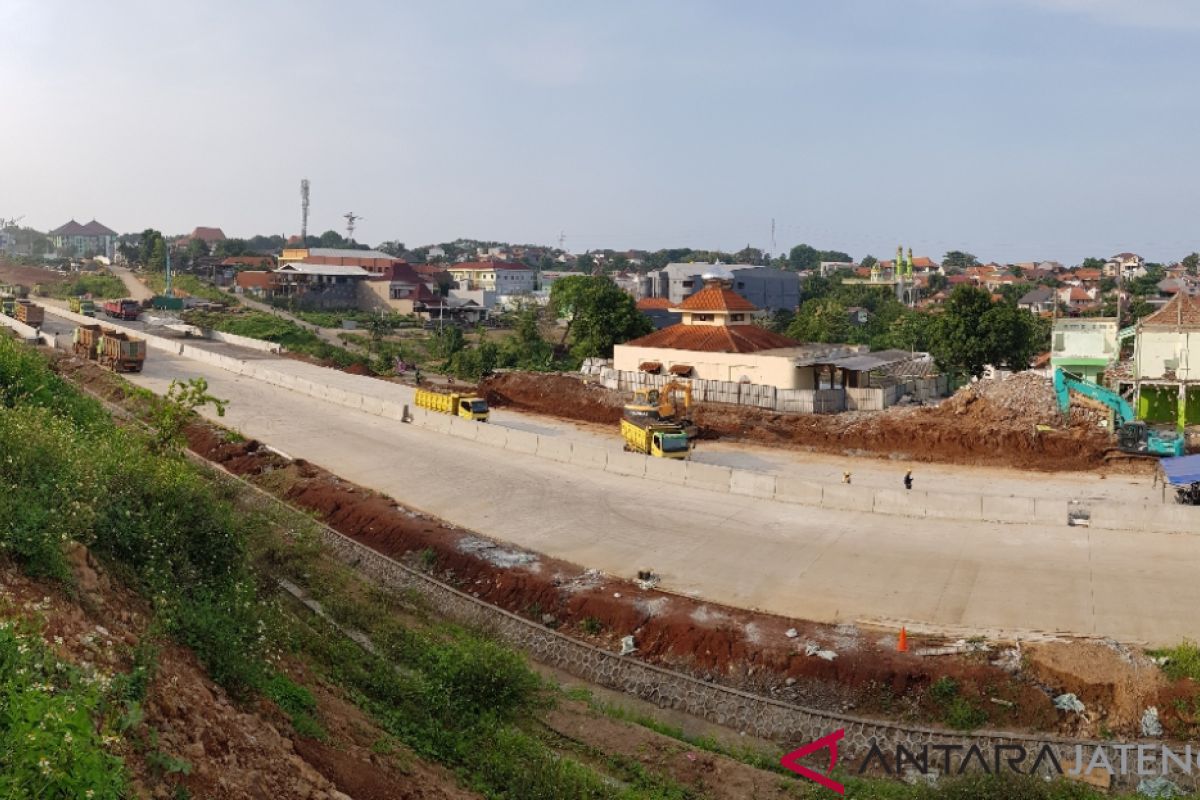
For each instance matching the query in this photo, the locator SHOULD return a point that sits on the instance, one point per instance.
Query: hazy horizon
(1015, 129)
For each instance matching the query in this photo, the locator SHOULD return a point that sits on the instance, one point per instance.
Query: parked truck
(122, 309)
(8, 306)
(121, 352)
(85, 342)
(655, 424)
(462, 405)
(82, 305)
(30, 313)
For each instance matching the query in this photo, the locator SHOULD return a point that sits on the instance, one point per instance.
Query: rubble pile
(1025, 397)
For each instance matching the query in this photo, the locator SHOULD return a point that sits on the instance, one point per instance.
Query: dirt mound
(991, 422)
(1114, 683)
(554, 395)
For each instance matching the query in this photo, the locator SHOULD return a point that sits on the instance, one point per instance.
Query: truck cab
(669, 444)
(475, 408)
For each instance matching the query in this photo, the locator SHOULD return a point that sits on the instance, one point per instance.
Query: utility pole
(303, 213)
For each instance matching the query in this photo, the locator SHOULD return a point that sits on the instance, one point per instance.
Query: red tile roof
(654, 304)
(715, 339)
(716, 298)
(253, 280)
(924, 262)
(1183, 310)
(208, 235)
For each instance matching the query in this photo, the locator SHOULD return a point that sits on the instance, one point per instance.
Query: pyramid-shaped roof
(716, 297)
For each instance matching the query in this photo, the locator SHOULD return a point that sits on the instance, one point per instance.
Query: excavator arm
(1064, 385)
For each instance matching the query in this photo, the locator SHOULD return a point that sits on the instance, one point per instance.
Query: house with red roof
(716, 339)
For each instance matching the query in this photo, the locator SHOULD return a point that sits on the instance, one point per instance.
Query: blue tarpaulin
(1182, 470)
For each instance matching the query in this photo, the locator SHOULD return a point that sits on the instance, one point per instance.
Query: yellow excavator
(655, 423)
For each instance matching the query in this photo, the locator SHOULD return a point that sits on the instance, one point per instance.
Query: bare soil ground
(992, 422)
(28, 276)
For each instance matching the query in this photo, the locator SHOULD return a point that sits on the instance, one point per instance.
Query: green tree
(197, 248)
(937, 282)
(1093, 263)
(178, 408)
(585, 263)
(972, 332)
(804, 257)
(912, 330)
(395, 249)
(821, 320)
(834, 255)
(599, 315)
(869, 261)
(1191, 263)
(959, 259)
(158, 256)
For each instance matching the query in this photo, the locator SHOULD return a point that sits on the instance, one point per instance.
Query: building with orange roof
(716, 339)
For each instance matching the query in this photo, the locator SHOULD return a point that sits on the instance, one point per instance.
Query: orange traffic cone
(902, 642)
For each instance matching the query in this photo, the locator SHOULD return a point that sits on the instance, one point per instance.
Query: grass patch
(270, 328)
(1183, 661)
(190, 284)
(101, 285)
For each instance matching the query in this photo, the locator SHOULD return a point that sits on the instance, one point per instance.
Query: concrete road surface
(794, 560)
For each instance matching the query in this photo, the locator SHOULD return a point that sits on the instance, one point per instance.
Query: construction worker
(908, 480)
(845, 477)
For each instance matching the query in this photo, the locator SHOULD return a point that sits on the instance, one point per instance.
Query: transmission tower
(351, 218)
(304, 212)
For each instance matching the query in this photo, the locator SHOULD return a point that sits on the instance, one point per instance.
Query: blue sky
(1016, 129)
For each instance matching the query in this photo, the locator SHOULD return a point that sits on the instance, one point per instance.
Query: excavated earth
(994, 423)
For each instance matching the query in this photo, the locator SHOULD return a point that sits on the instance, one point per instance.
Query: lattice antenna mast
(351, 218)
(304, 212)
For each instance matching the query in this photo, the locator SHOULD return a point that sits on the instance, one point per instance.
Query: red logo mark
(792, 761)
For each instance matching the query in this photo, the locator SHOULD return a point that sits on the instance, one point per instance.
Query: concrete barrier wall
(707, 476)
(997, 508)
(589, 456)
(626, 464)
(521, 442)
(244, 341)
(900, 502)
(944, 505)
(847, 497)
(752, 484)
(798, 490)
(554, 448)
(24, 331)
(667, 470)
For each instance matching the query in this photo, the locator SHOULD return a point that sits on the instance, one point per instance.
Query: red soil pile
(554, 395)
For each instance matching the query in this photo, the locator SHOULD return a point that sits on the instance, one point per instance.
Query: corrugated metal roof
(866, 362)
(342, 252)
(324, 269)
(1182, 470)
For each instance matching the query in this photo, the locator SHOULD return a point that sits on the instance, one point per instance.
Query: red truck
(122, 309)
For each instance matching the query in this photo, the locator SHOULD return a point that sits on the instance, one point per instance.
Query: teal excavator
(1134, 436)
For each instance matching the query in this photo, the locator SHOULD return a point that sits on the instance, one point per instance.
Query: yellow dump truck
(462, 405)
(658, 440)
(30, 313)
(82, 305)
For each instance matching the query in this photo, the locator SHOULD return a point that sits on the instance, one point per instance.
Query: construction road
(800, 561)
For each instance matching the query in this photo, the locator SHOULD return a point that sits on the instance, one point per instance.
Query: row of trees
(598, 316)
(967, 332)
